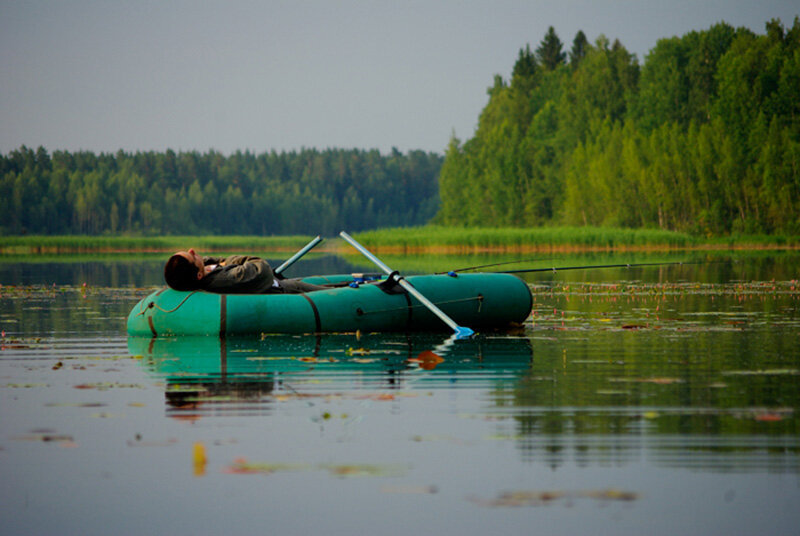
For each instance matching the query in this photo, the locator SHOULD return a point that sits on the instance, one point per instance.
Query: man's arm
(240, 274)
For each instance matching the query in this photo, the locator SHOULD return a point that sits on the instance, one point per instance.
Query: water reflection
(209, 375)
(677, 386)
(606, 397)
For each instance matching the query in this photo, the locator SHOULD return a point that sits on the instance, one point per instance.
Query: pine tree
(579, 46)
(550, 53)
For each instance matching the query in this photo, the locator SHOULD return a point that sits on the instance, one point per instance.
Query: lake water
(658, 400)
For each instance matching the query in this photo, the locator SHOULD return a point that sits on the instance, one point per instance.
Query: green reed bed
(533, 239)
(430, 238)
(556, 239)
(104, 244)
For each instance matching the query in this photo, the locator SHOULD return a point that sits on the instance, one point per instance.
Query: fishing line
(596, 266)
(490, 265)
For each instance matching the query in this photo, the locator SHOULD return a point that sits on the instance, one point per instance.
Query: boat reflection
(246, 376)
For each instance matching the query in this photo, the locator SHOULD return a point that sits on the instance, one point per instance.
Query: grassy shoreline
(434, 239)
(28, 245)
(410, 240)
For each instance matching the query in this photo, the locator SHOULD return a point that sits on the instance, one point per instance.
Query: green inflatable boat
(479, 301)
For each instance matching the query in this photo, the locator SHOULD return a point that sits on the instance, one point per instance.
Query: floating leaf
(380, 396)
(139, 443)
(449, 439)
(611, 494)
(76, 405)
(542, 498)
(662, 381)
(427, 360)
(659, 381)
(241, 466)
(411, 490)
(363, 470)
(104, 386)
(199, 459)
(62, 440)
(768, 417)
(764, 372)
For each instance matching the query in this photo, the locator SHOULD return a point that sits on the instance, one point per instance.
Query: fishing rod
(596, 266)
(489, 265)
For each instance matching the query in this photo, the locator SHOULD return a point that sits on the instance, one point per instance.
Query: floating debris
(62, 440)
(764, 372)
(658, 381)
(411, 490)
(138, 442)
(75, 405)
(363, 470)
(104, 386)
(542, 498)
(241, 466)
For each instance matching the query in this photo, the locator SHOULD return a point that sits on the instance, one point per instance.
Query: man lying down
(237, 274)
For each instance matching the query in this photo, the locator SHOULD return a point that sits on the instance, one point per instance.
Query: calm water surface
(661, 400)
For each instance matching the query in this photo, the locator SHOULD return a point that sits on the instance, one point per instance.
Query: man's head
(184, 270)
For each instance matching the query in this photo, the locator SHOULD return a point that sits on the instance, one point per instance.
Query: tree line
(305, 192)
(704, 137)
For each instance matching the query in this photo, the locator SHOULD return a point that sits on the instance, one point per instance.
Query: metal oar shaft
(294, 258)
(367, 253)
(460, 330)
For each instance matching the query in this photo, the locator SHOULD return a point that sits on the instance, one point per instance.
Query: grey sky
(229, 75)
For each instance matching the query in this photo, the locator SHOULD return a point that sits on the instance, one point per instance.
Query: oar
(461, 332)
(294, 258)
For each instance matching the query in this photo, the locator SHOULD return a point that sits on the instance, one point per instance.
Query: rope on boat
(479, 298)
(154, 304)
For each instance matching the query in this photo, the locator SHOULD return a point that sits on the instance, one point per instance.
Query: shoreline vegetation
(426, 239)
(63, 244)
(702, 137)
(436, 239)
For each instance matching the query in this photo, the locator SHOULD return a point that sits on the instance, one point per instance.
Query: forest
(189, 193)
(703, 137)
